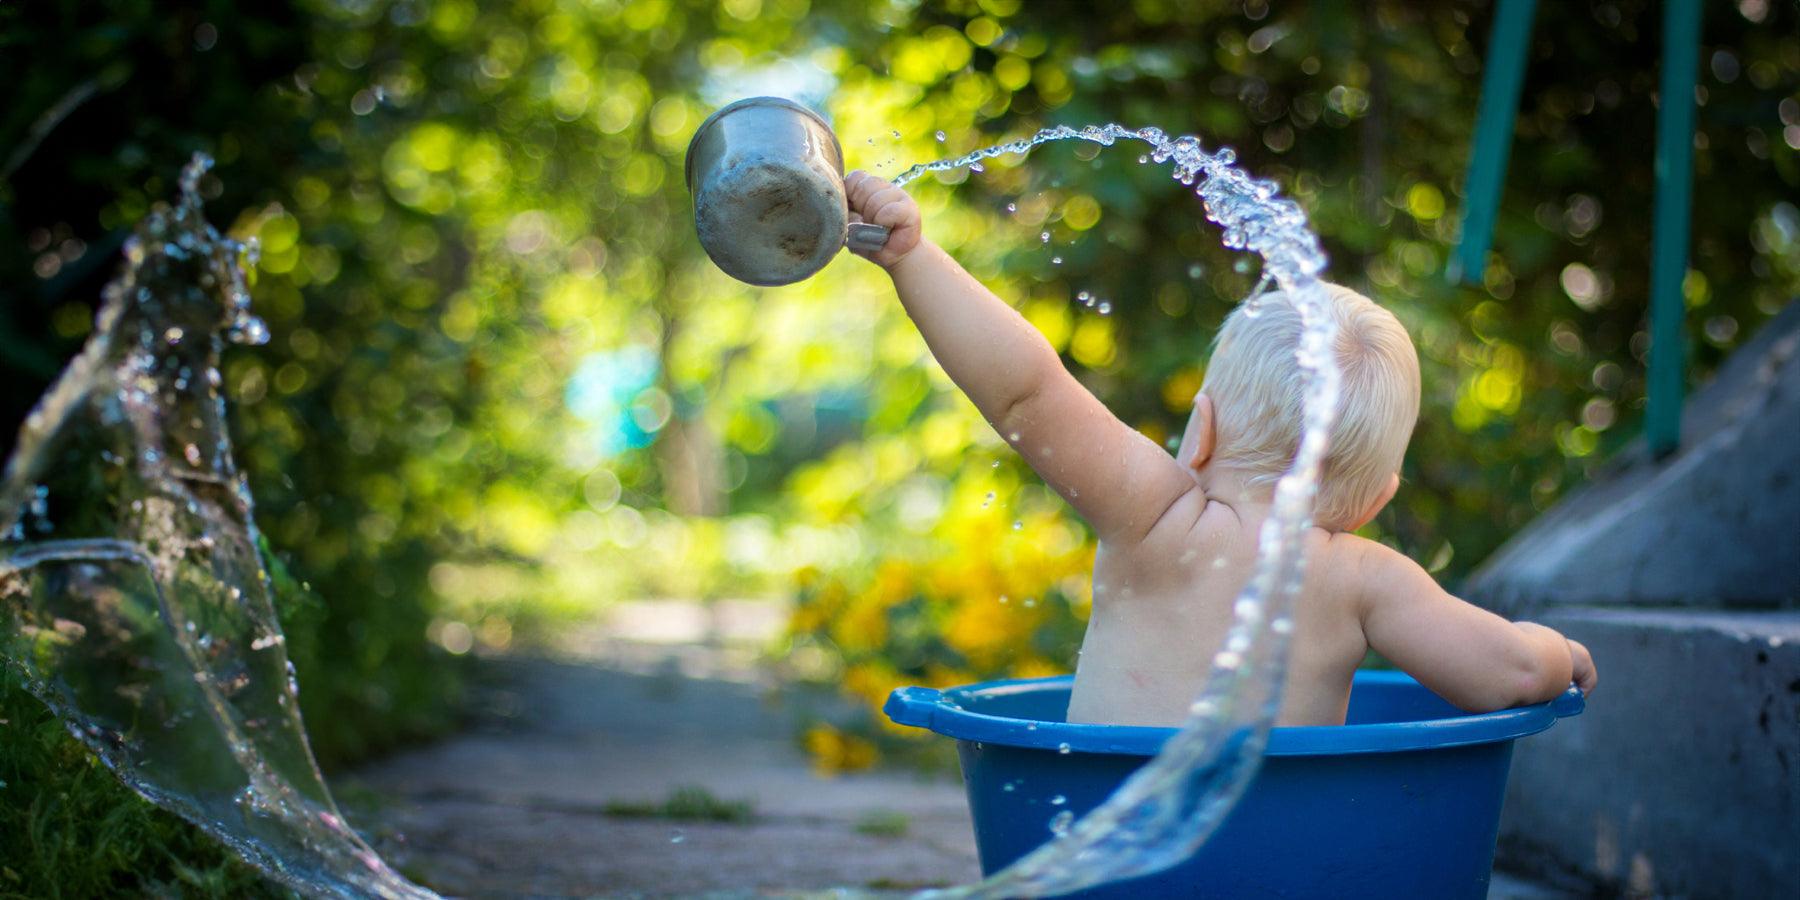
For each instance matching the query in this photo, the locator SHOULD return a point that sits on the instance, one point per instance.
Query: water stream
(141, 612)
(135, 597)
(1167, 809)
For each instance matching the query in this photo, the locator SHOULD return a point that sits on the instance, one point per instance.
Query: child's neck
(1232, 486)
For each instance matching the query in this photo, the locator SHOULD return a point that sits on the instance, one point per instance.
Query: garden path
(553, 792)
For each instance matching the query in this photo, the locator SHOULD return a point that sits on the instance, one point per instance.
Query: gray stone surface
(1715, 524)
(1681, 779)
(525, 805)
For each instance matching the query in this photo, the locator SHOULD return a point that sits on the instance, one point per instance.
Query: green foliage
(72, 830)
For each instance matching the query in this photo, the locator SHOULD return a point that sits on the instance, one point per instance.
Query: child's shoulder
(1362, 566)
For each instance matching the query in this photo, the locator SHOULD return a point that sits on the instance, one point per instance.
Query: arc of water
(1167, 809)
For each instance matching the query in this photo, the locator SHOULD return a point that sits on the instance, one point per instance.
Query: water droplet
(895, 132)
(1008, 787)
(986, 501)
(1058, 800)
(941, 137)
(1063, 748)
(1056, 260)
(1105, 307)
(677, 838)
(1059, 823)
(1012, 207)
(1043, 237)
(1018, 524)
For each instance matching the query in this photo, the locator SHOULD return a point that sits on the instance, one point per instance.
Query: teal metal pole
(1508, 48)
(1669, 244)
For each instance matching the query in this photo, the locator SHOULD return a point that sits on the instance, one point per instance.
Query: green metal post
(1669, 244)
(1508, 49)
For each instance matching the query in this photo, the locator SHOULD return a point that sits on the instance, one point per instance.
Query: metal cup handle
(866, 237)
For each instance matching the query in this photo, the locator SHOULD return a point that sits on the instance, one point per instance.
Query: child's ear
(1375, 506)
(1202, 433)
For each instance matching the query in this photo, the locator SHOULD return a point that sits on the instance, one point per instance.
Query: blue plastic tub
(1402, 801)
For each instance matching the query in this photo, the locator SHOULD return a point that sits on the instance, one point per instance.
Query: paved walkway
(546, 797)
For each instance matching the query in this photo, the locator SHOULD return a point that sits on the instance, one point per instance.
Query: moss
(70, 829)
(686, 804)
(884, 823)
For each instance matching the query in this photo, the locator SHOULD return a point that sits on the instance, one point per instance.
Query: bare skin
(1177, 535)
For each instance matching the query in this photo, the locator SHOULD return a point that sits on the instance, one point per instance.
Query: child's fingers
(885, 198)
(893, 213)
(859, 186)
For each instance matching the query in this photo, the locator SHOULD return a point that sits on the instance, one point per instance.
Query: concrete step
(1683, 776)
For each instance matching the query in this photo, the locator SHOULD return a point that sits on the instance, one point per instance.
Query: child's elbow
(1519, 685)
(1534, 682)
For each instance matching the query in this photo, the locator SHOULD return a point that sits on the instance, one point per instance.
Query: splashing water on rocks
(132, 585)
(1167, 809)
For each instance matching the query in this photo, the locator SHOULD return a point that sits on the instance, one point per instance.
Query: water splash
(137, 603)
(1168, 808)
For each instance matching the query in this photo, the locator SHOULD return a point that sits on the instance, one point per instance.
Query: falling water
(135, 598)
(1167, 809)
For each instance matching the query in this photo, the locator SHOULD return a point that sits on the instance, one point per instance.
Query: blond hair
(1254, 381)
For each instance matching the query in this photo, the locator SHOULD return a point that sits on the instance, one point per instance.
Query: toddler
(1177, 536)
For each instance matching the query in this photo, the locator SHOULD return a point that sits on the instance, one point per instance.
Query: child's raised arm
(1471, 657)
(1118, 480)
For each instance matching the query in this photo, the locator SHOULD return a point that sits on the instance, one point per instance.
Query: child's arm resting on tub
(1117, 479)
(1476, 660)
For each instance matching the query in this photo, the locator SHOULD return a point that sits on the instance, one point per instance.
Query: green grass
(885, 823)
(68, 828)
(685, 804)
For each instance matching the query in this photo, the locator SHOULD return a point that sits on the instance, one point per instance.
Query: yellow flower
(833, 751)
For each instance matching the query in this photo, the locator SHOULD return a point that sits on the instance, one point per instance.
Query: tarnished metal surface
(767, 177)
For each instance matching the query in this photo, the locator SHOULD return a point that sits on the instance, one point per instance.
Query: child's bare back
(1178, 535)
(1162, 608)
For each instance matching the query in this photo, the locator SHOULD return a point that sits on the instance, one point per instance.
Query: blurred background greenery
(507, 390)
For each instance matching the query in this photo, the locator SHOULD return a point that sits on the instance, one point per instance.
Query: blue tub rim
(943, 712)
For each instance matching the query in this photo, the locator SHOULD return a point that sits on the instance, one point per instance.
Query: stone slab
(526, 803)
(1715, 525)
(1682, 778)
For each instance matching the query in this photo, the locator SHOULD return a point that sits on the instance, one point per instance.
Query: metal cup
(767, 177)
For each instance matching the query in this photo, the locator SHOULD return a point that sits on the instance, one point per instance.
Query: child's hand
(881, 202)
(1585, 676)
